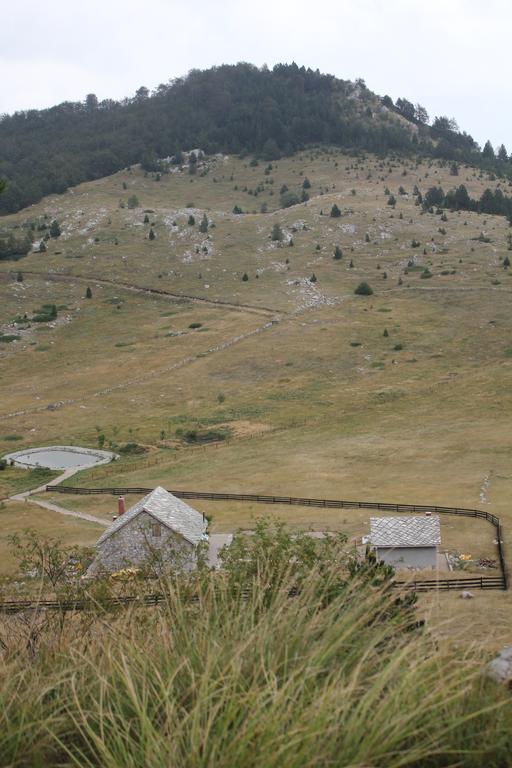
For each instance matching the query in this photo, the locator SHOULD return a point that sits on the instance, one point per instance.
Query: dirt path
(25, 497)
(146, 377)
(156, 292)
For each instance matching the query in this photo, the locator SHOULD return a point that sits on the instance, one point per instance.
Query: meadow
(401, 396)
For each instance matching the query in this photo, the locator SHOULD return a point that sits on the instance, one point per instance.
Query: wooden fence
(494, 582)
(11, 607)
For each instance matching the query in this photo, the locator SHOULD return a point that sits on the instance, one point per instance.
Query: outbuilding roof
(411, 531)
(168, 510)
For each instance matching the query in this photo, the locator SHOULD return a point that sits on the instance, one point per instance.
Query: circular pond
(59, 457)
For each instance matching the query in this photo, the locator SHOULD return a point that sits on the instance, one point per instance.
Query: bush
(46, 314)
(277, 233)
(288, 199)
(55, 230)
(133, 202)
(335, 212)
(6, 338)
(131, 449)
(195, 325)
(363, 289)
(199, 436)
(245, 277)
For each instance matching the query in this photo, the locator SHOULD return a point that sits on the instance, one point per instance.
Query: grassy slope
(427, 423)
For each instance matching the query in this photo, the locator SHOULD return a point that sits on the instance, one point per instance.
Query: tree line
(232, 109)
(491, 202)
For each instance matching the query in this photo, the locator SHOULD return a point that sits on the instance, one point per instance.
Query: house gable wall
(133, 543)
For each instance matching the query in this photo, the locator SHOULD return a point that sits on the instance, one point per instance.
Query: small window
(156, 529)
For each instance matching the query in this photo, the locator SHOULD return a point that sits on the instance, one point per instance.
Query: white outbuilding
(406, 542)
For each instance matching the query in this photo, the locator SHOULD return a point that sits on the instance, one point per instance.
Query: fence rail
(327, 504)
(11, 607)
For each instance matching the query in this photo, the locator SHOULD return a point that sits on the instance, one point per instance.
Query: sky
(451, 56)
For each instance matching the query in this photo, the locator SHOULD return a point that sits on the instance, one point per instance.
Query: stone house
(406, 542)
(160, 528)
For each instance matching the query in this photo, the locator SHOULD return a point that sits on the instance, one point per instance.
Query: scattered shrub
(363, 289)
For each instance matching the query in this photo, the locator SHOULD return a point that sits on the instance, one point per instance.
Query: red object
(120, 506)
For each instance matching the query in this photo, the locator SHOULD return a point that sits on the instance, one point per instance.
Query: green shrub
(131, 449)
(195, 325)
(200, 437)
(6, 338)
(363, 289)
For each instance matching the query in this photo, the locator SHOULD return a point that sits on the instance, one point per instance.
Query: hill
(237, 356)
(230, 109)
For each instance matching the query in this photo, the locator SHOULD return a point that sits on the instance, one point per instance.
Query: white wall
(408, 557)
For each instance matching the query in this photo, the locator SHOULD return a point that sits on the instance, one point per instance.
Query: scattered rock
(500, 668)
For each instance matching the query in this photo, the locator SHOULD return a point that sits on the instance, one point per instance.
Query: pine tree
(488, 151)
(277, 233)
(306, 184)
(151, 234)
(312, 279)
(335, 212)
(55, 230)
(88, 293)
(506, 262)
(191, 221)
(19, 277)
(245, 277)
(146, 219)
(42, 247)
(203, 226)
(338, 253)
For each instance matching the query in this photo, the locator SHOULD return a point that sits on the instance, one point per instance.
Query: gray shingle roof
(169, 510)
(411, 531)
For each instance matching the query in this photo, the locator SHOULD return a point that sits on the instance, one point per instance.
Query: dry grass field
(402, 396)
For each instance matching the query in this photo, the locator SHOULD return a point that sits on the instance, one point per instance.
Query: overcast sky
(452, 56)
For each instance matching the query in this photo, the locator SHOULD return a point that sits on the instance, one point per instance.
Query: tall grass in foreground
(313, 680)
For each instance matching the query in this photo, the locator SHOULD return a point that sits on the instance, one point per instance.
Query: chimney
(120, 506)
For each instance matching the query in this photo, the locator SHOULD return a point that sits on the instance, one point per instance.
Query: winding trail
(25, 497)
(219, 303)
(145, 377)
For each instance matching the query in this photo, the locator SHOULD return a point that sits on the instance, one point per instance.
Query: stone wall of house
(135, 543)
